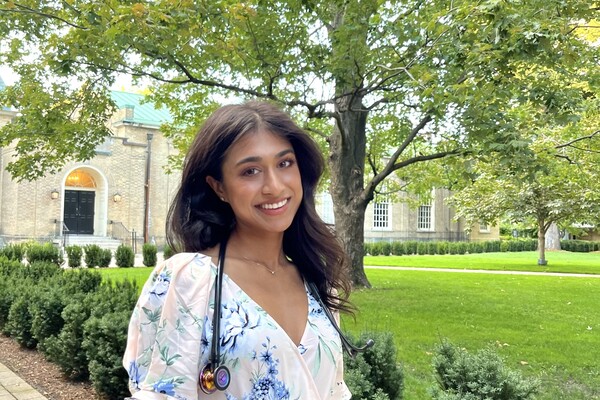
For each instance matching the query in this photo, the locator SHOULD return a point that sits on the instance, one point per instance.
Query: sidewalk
(14, 388)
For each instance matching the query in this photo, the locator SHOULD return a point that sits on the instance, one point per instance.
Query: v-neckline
(270, 317)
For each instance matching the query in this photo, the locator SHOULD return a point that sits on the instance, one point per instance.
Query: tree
(561, 185)
(419, 81)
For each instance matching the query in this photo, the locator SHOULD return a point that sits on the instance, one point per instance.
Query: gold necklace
(272, 271)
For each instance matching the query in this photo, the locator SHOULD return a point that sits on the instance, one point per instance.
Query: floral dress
(170, 333)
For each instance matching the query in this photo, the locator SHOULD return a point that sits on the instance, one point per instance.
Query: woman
(246, 207)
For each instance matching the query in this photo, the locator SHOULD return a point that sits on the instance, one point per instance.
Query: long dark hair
(199, 220)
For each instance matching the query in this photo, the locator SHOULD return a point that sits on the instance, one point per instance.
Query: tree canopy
(416, 81)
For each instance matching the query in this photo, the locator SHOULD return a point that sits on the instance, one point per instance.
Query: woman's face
(261, 182)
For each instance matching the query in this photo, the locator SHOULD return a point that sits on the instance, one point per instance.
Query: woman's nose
(272, 183)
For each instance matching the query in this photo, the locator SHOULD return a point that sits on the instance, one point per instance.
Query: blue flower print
(237, 321)
(134, 374)
(161, 284)
(302, 348)
(165, 386)
(267, 386)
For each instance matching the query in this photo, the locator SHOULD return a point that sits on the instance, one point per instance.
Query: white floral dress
(171, 329)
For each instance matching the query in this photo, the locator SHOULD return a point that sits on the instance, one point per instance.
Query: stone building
(399, 221)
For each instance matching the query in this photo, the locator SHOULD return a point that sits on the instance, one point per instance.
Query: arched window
(80, 178)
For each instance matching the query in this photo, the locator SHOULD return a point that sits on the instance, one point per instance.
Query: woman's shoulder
(184, 264)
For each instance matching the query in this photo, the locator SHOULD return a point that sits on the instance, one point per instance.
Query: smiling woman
(249, 309)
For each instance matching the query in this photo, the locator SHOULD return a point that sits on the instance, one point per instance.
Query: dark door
(79, 211)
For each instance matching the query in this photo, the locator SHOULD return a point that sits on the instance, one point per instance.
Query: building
(120, 195)
(399, 221)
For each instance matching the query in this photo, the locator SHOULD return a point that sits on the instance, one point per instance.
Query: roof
(143, 112)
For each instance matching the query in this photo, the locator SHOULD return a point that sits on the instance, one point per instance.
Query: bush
(374, 374)
(421, 248)
(92, 255)
(105, 257)
(45, 309)
(14, 251)
(168, 252)
(149, 254)
(398, 248)
(104, 344)
(74, 254)
(124, 256)
(19, 320)
(43, 252)
(479, 376)
(65, 349)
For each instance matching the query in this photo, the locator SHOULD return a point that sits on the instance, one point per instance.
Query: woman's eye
(286, 163)
(250, 171)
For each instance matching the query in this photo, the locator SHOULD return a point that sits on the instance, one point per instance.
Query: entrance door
(79, 211)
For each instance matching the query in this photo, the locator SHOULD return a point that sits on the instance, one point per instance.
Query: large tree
(418, 80)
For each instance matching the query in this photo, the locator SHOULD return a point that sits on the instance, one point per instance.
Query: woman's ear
(216, 186)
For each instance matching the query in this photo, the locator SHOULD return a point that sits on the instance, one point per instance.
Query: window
(324, 207)
(484, 227)
(381, 215)
(425, 217)
(80, 178)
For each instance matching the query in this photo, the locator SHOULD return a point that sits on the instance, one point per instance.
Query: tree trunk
(553, 238)
(347, 161)
(541, 243)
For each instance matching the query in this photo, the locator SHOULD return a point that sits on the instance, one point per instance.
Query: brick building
(122, 192)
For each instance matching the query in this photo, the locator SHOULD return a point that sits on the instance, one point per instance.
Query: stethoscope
(215, 376)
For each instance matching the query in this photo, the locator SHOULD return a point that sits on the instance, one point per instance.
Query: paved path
(13, 387)
(484, 271)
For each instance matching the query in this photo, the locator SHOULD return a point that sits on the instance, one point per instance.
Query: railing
(61, 232)
(120, 232)
(421, 236)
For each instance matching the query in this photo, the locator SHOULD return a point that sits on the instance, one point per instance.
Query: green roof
(143, 112)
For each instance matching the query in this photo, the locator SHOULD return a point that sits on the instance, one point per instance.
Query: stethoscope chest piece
(213, 380)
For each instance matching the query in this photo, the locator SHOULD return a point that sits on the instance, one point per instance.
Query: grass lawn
(547, 327)
(544, 326)
(558, 261)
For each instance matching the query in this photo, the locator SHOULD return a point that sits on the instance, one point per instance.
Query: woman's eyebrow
(252, 159)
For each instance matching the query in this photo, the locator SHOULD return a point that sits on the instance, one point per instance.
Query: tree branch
(591, 136)
(28, 10)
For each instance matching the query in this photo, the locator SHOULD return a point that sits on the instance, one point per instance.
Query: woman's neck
(267, 249)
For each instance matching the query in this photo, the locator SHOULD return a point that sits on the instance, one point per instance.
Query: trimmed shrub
(14, 251)
(19, 320)
(124, 256)
(386, 248)
(149, 251)
(421, 248)
(92, 255)
(45, 309)
(65, 349)
(104, 344)
(105, 257)
(397, 248)
(480, 376)
(374, 374)
(168, 252)
(43, 252)
(74, 254)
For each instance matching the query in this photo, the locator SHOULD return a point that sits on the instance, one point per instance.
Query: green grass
(558, 261)
(547, 327)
